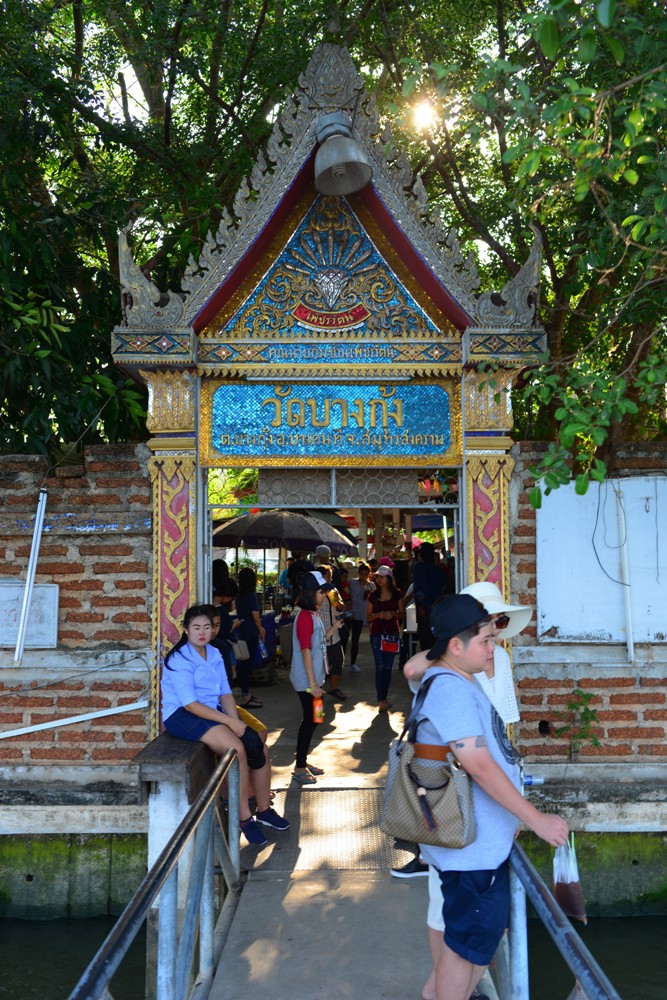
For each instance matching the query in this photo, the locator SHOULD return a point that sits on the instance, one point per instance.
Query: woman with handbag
(250, 631)
(198, 705)
(384, 614)
(309, 668)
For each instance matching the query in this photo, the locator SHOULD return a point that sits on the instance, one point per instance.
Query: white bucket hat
(489, 595)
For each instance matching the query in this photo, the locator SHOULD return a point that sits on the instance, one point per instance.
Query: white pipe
(75, 718)
(204, 528)
(625, 575)
(30, 578)
(465, 573)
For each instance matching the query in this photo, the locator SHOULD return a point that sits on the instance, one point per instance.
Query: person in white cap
(508, 621)
(324, 558)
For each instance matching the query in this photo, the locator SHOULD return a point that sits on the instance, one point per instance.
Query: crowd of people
(470, 701)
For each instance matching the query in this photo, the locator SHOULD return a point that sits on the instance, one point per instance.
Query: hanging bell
(341, 165)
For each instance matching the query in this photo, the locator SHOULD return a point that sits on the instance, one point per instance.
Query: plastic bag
(567, 888)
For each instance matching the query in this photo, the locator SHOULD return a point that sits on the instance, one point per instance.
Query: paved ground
(320, 916)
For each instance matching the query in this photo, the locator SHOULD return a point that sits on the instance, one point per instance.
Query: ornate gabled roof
(162, 324)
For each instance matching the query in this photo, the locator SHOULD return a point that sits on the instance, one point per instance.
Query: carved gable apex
(330, 83)
(165, 325)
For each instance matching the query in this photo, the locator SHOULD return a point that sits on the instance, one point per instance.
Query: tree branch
(77, 20)
(132, 41)
(249, 54)
(214, 74)
(464, 206)
(231, 113)
(173, 66)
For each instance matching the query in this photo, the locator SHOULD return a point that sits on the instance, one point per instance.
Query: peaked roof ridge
(330, 82)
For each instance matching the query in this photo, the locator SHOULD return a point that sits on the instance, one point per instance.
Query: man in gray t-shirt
(457, 713)
(460, 709)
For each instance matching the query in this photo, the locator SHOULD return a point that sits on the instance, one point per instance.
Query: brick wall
(96, 545)
(630, 699)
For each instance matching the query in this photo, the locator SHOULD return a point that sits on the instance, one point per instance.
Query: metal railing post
(167, 937)
(518, 940)
(189, 923)
(207, 914)
(233, 817)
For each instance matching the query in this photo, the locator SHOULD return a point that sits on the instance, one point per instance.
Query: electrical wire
(595, 528)
(82, 673)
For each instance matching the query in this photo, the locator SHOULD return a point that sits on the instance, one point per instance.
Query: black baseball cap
(451, 615)
(313, 581)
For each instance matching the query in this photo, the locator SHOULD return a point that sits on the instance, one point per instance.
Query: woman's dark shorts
(476, 911)
(188, 726)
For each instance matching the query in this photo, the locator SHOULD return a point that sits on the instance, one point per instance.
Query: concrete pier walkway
(319, 915)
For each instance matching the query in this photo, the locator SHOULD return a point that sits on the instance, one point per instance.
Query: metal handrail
(175, 962)
(592, 982)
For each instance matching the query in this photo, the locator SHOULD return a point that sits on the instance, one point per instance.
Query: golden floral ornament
(171, 400)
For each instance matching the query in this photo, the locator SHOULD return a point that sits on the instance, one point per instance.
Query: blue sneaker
(252, 832)
(269, 817)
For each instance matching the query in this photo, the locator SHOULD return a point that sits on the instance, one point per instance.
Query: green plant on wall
(581, 721)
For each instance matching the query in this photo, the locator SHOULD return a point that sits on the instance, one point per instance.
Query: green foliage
(551, 113)
(557, 115)
(112, 111)
(581, 721)
(233, 487)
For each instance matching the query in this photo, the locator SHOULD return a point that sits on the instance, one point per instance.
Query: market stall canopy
(274, 529)
(427, 522)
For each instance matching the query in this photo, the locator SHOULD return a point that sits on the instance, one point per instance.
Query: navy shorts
(188, 726)
(476, 910)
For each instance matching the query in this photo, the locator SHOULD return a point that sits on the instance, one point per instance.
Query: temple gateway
(331, 335)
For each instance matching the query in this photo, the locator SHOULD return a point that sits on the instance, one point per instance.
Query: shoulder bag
(429, 796)
(240, 649)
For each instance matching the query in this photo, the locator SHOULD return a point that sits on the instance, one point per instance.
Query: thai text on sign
(281, 421)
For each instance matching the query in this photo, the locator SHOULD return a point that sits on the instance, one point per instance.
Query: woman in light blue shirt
(198, 705)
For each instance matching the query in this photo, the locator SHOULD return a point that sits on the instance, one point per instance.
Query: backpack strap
(411, 723)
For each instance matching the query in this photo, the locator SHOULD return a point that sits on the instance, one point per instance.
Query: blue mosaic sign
(330, 424)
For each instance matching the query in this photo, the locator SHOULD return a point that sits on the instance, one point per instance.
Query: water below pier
(42, 960)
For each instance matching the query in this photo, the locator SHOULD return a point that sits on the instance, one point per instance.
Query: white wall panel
(579, 571)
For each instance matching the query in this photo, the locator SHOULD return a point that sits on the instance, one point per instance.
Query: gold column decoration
(171, 407)
(488, 405)
(487, 535)
(174, 482)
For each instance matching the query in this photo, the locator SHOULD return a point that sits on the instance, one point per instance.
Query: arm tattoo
(459, 745)
(480, 741)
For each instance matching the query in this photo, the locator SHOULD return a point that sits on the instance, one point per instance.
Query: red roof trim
(413, 260)
(377, 208)
(294, 193)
